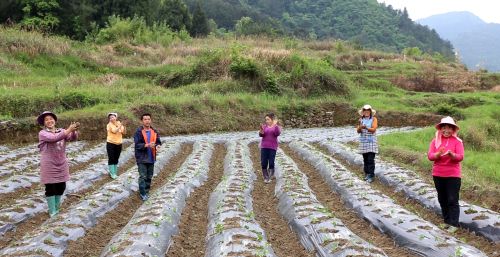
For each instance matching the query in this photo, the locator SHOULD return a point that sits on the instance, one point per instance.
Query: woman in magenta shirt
(54, 168)
(268, 146)
(447, 151)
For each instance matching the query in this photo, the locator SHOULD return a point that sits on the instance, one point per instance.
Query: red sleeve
(431, 155)
(459, 151)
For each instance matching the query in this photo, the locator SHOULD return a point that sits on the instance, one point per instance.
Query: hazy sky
(487, 10)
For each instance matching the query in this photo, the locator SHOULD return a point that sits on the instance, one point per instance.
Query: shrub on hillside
(212, 65)
(347, 61)
(314, 78)
(482, 136)
(138, 32)
(449, 110)
(77, 100)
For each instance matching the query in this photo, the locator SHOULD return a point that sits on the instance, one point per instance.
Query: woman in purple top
(268, 146)
(54, 168)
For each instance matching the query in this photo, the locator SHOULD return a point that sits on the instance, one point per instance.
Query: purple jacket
(54, 166)
(270, 137)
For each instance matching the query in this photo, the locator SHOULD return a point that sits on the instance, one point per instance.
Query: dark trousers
(113, 153)
(267, 157)
(55, 189)
(369, 164)
(448, 189)
(145, 175)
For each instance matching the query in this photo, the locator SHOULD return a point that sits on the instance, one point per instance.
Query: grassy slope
(83, 81)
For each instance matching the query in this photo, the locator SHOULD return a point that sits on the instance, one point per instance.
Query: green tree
(200, 26)
(40, 14)
(11, 11)
(175, 13)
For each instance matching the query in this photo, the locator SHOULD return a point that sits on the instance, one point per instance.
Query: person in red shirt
(447, 151)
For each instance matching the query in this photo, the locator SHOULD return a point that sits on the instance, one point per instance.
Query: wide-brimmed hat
(41, 117)
(447, 120)
(367, 107)
(113, 113)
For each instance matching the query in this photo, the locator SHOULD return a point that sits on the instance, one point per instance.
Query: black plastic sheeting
(406, 228)
(149, 232)
(53, 236)
(232, 228)
(30, 205)
(483, 221)
(314, 224)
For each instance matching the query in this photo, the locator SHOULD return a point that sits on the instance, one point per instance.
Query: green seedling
(48, 241)
(93, 203)
(260, 237)
(250, 215)
(219, 228)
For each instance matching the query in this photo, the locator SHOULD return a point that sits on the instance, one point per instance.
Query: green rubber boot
(51, 202)
(110, 167)
(115, 170)
(58, 202)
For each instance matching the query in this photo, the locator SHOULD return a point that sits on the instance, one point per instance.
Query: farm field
(208, 199)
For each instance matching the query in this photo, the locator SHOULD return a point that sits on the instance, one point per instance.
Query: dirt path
(97, 238)
(190, 241)
(400, 198)
(357, 225)
(282, 239)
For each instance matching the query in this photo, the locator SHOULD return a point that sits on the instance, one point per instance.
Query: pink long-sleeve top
(270, 137)
(446, 166)
(54, 166)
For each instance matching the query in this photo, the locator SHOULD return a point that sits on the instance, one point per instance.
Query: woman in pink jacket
(269, 132)
(54, 168)
(447, 151)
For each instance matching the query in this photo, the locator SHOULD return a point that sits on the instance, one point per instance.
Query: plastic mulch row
(315, 225)
(149, 232)
(483, 221)
(53, 236)
(407, 229)
(9, 152)
(30, 205)
(31, 174)
(30, 162)
(232, 229)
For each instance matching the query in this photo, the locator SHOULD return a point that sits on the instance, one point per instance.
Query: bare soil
(282, 239)
(194, 220)
(97, 238)
(400, 198)
(333, 201)
(37, 220)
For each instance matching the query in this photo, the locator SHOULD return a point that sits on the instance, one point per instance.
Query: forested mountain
(365, 22)
(477, 42)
